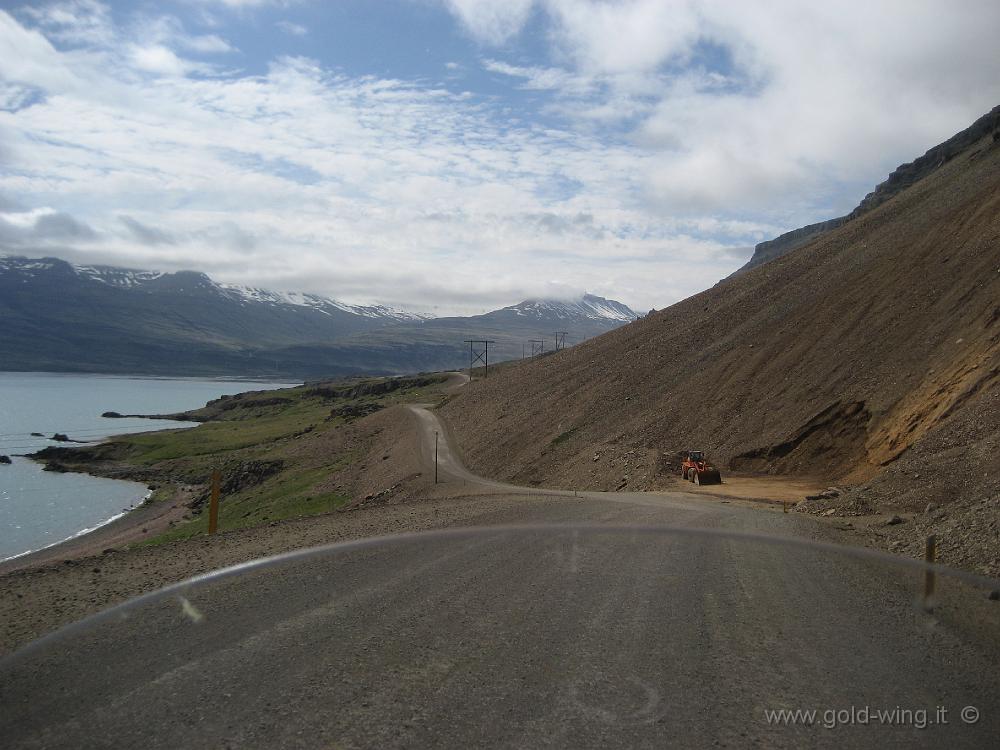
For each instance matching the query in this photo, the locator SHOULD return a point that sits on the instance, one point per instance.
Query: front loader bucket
(709, 476)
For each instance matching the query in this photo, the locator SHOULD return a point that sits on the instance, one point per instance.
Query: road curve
(561, 636)
(434, 435)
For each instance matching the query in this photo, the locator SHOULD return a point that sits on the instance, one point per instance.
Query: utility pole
(479, 351)
(537, 347)
(560, 340)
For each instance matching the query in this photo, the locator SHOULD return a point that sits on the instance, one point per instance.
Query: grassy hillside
(282, 454)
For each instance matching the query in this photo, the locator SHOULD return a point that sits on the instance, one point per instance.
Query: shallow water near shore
(40, 508)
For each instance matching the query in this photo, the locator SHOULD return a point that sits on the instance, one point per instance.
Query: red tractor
(695, 468)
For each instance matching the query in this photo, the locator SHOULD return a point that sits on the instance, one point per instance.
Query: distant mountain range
(56, 316)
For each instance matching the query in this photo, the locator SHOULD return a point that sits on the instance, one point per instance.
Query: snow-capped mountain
(128, 278)
(323, 304)
(589, 307)
(58, 316)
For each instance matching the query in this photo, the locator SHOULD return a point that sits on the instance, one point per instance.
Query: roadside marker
(435, 456)
(213, 506)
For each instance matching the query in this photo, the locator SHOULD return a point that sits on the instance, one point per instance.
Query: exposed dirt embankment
(868, 357)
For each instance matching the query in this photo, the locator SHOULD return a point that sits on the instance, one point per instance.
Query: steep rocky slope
(870, 356)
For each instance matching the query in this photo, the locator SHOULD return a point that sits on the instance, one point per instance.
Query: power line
(480, 354)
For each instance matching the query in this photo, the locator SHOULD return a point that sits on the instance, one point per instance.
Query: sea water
(40, 508)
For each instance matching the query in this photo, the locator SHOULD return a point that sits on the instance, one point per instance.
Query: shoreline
(144, 518)
(127, 525)
(81, 532)
(145, 376)
(142, 522)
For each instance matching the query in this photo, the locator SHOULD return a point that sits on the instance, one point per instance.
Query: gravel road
(608, 631)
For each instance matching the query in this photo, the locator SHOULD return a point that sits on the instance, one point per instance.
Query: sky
(455, 156)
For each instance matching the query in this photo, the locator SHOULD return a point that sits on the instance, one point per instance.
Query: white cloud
(305, 179)
(169, 32)
(74, 21)
(545, 79)
(242, 4)
(743, 109)
(206, 43)
(674, 135)
(157, 59)
(42, 227)
(26, 56)
(292, 28)
(624, 37)
(834, 94)
(490, 21)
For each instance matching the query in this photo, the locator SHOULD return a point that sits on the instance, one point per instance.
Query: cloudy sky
(460, 155)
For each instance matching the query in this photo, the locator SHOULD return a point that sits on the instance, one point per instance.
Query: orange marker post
(213, 506)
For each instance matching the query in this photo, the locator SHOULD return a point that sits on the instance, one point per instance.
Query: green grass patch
(269, 425)
(290, 494)
(224, 436)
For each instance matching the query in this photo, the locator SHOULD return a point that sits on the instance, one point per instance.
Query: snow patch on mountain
(589, 306)
(316, 302)
(126, 278)
(129, 278)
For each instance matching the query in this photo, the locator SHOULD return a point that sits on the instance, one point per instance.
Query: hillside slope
(871, 356)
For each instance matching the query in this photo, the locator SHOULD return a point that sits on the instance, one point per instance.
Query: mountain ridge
(898, 180)
(131, 278)
(64, 317)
